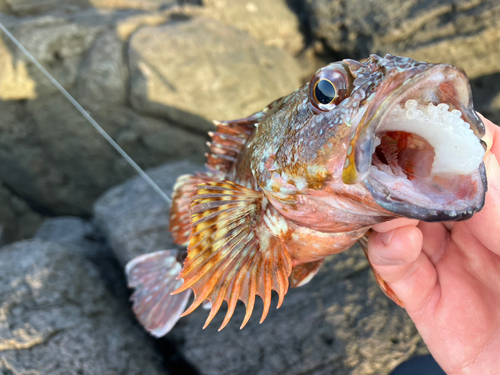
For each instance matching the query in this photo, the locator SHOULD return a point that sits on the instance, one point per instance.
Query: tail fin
(154, 277)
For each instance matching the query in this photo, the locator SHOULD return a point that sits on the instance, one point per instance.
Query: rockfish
(362, 143)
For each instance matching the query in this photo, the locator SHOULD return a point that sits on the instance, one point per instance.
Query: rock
(17, 219)
(57, 317)
(30, 7)
(222, 73)
(72, 232)
(133, 218)
(102, 81)
(339, 323)
(273, 22)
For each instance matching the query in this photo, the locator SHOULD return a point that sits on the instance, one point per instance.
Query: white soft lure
(445, 131)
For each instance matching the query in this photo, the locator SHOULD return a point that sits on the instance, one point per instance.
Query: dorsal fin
(235, 250)
(229, 137)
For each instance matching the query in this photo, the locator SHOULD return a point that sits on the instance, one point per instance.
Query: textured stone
(17, 219)
(103, 78)
(134, 218)
(273, 22)
(35, 7)
(196, 70)
(56, 317)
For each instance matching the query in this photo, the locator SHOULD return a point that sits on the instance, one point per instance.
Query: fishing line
(89, 118)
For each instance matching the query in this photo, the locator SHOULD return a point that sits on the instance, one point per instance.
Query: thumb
(398, 258)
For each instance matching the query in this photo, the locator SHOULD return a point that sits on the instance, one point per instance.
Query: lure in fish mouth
(417, 150)
(362, 143)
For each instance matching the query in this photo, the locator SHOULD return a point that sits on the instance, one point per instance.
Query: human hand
(448, 277)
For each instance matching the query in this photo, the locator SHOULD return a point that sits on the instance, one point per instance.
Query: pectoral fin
(180, 223)
(235, 250)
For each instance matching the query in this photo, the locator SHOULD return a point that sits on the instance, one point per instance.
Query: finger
(485, 225)
(398, 258)
(492, 136)
(435, 237)
(393, 224)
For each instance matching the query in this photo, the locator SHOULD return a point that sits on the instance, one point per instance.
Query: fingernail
(492, 167)
(387, 237)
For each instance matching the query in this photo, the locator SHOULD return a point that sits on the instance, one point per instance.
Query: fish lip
(458, 94)
(381, 195)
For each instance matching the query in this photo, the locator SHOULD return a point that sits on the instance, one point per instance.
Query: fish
(361, 143)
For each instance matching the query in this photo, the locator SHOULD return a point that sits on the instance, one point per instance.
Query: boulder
(222, 73)
(17, 219)
(272, 22)
(339, 323)
(57, 317)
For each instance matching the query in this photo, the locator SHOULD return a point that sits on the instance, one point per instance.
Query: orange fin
(235, 250)
(229, 138)
(363, 241)
(154, 277)
(180, 223)
(303, 273)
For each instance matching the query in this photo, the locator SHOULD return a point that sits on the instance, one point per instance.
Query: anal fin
(235, 250)
(154, 277)
(303, 273)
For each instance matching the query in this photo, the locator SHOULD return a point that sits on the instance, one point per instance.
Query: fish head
(393, 135)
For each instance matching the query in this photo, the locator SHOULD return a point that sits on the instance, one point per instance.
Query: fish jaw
(423, 173)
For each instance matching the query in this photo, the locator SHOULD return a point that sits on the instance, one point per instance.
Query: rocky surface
(17, 219)
(340, 323)
(273, 22)
(56, 317)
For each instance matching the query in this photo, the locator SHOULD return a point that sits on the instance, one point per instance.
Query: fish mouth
(420, 150)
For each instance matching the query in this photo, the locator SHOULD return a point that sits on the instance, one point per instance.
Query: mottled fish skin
(292, 184)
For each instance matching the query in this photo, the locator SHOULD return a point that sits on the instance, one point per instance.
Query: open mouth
(426, 157)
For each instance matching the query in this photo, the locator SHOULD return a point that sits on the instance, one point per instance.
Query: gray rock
(272, 22)
(74, 233)
(133, 218)
(102, 80)
(197, 70)
(35, 7)
(339, 323)
(17, 219)
(58, 318)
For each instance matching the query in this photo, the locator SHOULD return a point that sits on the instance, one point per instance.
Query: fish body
(361, 143)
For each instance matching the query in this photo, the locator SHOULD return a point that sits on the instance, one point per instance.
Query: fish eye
(324, 91)
(329, 86)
